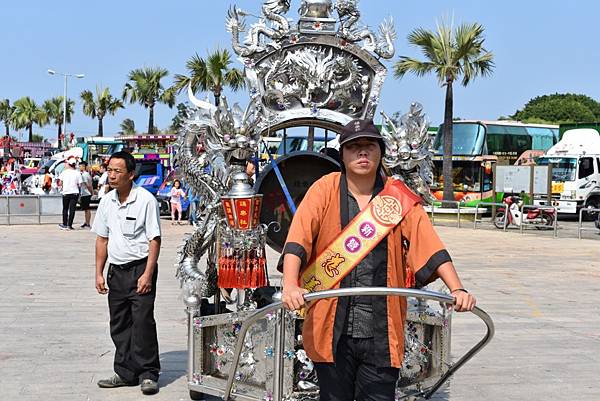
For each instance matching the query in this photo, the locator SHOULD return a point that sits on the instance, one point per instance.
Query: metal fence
(580, 227)
(540, 208)
(29, 209)
(486, 205)
(439, 206)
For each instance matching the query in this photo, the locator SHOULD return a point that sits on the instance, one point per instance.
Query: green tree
(104, 103)
(144, 87)
(6, 113)
(37, 138)
(451, 54)
(54, 109)
(27, 113)
(183, 112)
(128, 127)
(212, 74)
(559, 108)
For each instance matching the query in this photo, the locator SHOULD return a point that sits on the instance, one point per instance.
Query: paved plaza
(541, 293)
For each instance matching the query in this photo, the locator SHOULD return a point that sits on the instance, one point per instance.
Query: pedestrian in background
(193, 207)
(85, 196)
(103, 186)
(127, 225)
(69, 183)
(177, 196)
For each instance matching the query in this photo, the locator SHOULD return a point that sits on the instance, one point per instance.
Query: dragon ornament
(214, 145)
(272, 11)
(408, 150)
(382, 44)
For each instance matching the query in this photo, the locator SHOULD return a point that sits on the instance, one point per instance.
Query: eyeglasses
(115, 170)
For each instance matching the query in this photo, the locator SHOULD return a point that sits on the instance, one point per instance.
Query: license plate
(558, 187)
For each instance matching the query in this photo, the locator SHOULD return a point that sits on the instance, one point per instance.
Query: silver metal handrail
(346, 292)
(458, 205)
(554, 224)
(580, 227)
(499, 204)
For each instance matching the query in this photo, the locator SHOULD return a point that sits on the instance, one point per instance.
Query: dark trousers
(132, 325)
(69, 205)
(354, 376)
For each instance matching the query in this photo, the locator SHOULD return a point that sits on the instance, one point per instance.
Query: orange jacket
(413, 246)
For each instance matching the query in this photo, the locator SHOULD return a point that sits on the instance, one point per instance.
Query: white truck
(575, 161)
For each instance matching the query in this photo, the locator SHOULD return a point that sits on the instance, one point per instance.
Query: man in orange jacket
(357, 343)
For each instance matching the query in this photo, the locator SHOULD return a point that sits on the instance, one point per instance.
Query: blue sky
(540, 47)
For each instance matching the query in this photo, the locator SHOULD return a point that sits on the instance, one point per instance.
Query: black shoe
(149, 387)
(85, 225)
(115, 381)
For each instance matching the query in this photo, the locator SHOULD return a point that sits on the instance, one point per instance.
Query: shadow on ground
(173, 366)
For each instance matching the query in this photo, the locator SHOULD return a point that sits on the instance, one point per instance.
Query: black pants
(354, 376)
(69, 204)
(132, 325)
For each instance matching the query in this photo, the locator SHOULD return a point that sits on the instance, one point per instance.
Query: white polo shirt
(130, 226)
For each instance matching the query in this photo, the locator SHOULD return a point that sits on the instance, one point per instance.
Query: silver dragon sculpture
(214, 145)
(349, 16)
(408, 149)
(279, 27)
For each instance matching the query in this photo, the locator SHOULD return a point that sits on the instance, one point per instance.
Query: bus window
(586, 167)
(467, 139)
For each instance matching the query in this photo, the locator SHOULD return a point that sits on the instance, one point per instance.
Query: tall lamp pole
(52, 72)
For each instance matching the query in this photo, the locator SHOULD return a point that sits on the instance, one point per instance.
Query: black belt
(129, 265)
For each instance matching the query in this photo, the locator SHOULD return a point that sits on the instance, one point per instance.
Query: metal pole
(458, 215)
(39, 209)
(580, 223)
(278, 356)
(191, 348)
(475, 218)
(65, 111)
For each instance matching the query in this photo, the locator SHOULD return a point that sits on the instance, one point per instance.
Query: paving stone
(540, 291)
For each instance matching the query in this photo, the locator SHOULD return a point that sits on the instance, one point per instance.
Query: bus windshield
(467, 139)
(563, 168)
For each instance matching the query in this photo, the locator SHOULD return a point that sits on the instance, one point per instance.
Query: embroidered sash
(360, 236)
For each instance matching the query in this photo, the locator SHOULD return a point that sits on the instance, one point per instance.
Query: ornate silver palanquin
(324, 68)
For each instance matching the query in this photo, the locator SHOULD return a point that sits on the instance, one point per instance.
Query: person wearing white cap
(69, 183)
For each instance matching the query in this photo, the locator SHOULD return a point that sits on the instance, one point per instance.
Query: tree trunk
(100, 127)
(447, 158)
(151, 121)
(217, 98)
(30, 133)
(6, 128)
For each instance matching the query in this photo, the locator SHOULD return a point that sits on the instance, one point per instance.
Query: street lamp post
(52, 72)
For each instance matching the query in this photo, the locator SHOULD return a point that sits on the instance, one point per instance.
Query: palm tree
(98, 108)
(450, 54)
(6, 112)
(144, 87)
(127, 127)
(28, 113)
(212, 74)
(54, 109)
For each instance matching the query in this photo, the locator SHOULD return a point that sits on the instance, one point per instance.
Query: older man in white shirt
(128, 228)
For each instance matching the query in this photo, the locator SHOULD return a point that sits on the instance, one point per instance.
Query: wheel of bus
(196, 395)
(548, 221)
(498, 219)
